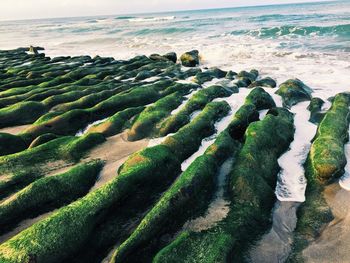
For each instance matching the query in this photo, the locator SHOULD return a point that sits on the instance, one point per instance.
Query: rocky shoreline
(65, 127)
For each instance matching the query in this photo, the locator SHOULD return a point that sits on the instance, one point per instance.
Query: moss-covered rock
(23, 168)
(116, 123)
(189, 137)
(187, 196)
(231, 75)
(327, 157)
(43, 139)
(251, 75)
(325, 162)
(252, 184)
(196, 102)
(265, 82)
(48, 193)
(21, 113)
(261, 99)
(315, 107)
(208, 75)
(293, 91)
(11, 144)
(145, 123)
(71, 226)
(190, 59)
(171, 56)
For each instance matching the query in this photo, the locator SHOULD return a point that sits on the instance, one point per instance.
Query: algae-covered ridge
(324, 165)
(79, 184)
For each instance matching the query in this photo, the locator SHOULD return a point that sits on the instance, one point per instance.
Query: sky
(30, 9)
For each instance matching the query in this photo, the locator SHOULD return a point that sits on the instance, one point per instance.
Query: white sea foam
(151, 19)
(291, 183)
(235, 101)
(83, 131)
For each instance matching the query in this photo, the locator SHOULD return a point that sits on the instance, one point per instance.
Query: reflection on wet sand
(275, 245)
(332, 245)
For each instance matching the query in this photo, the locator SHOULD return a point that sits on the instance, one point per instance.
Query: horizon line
(175, 11)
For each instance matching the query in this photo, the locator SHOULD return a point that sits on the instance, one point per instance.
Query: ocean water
(310, 41)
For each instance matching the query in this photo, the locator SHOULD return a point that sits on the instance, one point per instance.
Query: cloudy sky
(25, 9)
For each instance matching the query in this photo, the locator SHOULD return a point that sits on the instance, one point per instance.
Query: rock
(252, 75)
(243, 82)
(171, 56)
(315, 107)
(265, 82)
(157, 57)
(293, 91)
(231, 75)
(190, 59)
(191, 72)
(43, 139)
(145, 74)
(11, 144)
(261, 99)
(208, 75)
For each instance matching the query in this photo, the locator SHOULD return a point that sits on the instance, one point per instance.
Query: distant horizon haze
(41, 9)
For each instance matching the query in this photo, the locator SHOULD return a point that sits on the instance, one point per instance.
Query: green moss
(48, 193)
(66, 124)
(11, 144)
(260, 98)
(145, 123)
(293, 91)
(265, 82)
(21, 113)
(189, 137)
(257, 99)
(325, 162)
(188, 195)
(70, 226)
(116, 123)
(86, 101)
(196, 102)
(208, 75)
(252, 184)
(43, 139)
(327, 151)
(20, 169)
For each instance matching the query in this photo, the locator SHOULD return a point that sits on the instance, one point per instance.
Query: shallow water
(275, 246)
(291, 182)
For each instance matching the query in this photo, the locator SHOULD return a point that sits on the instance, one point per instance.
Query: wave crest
(274, 32)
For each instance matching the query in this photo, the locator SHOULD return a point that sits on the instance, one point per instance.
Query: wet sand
(275, 246)
(15, 129)
(114, 152)
(333, 243)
